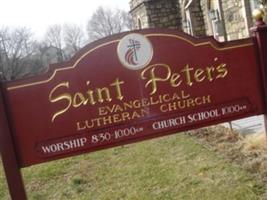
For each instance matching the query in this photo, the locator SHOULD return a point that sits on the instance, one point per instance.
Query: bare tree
(105, 22)
(67, 40)
(16, 53)
(73, 39)
(54, 37)
(21, 55)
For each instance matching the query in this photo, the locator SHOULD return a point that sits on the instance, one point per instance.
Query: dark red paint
(31, 111)
(29, 127)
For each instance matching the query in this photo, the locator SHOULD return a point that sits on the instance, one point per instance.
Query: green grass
(169, 168)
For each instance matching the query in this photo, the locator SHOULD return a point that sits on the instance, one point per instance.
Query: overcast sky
(38, 15)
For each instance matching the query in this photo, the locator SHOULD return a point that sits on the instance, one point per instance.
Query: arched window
(193, 20)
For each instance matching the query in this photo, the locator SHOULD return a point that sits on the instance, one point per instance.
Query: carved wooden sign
(128, 88)
(132, 87)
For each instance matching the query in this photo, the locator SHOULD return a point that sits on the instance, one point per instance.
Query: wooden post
(260, 35)
(11, 166)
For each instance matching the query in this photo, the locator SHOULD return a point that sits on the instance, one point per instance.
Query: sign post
(260, 35)
(9, 158)
(127, 88)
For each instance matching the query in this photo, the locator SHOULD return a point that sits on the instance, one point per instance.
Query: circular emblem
(135, 51)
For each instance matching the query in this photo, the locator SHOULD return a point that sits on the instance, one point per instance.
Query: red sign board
(127, 88)
(131, 87)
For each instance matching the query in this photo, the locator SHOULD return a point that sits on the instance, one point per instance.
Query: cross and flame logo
(131, 55)
(135, 51)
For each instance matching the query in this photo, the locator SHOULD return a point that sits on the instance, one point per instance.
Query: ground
(169, 168)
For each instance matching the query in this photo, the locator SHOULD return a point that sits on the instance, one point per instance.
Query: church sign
(127, 88)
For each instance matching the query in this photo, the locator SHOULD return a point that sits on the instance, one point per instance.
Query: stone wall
(235, 19)
(155, 13)
(207, 23)
(139, 14)
(197, 20)
(235, 15)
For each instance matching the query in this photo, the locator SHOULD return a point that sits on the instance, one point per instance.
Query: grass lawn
(169, 168)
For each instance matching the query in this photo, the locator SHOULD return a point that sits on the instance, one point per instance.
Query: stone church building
(224, 19)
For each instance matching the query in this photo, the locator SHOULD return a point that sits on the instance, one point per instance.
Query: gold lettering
(181, 104)
(61, 97)
(206, 99)
(91, 97)
(184, 96)
(198, 101)
(198, 74)
(79, 100)
(107, 120)
(166, 98)
(98, 121)
(111, 109)
(135, 115)
(144, 112)
(100, 94)
(125, 115)
(116, 118)
(128, 105)
(209, 73)
(145, 102)
(79, 127)
(117, 84)
(102, 111)
(187, 71)
(190, 103)
(222, 70)
(172, 106)
(153, 79)
(90, 94)
(118, 108)
(164, 108)
(153, 101)
(136, 104)
(175, 80)
(90, 125)
(176, 97)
